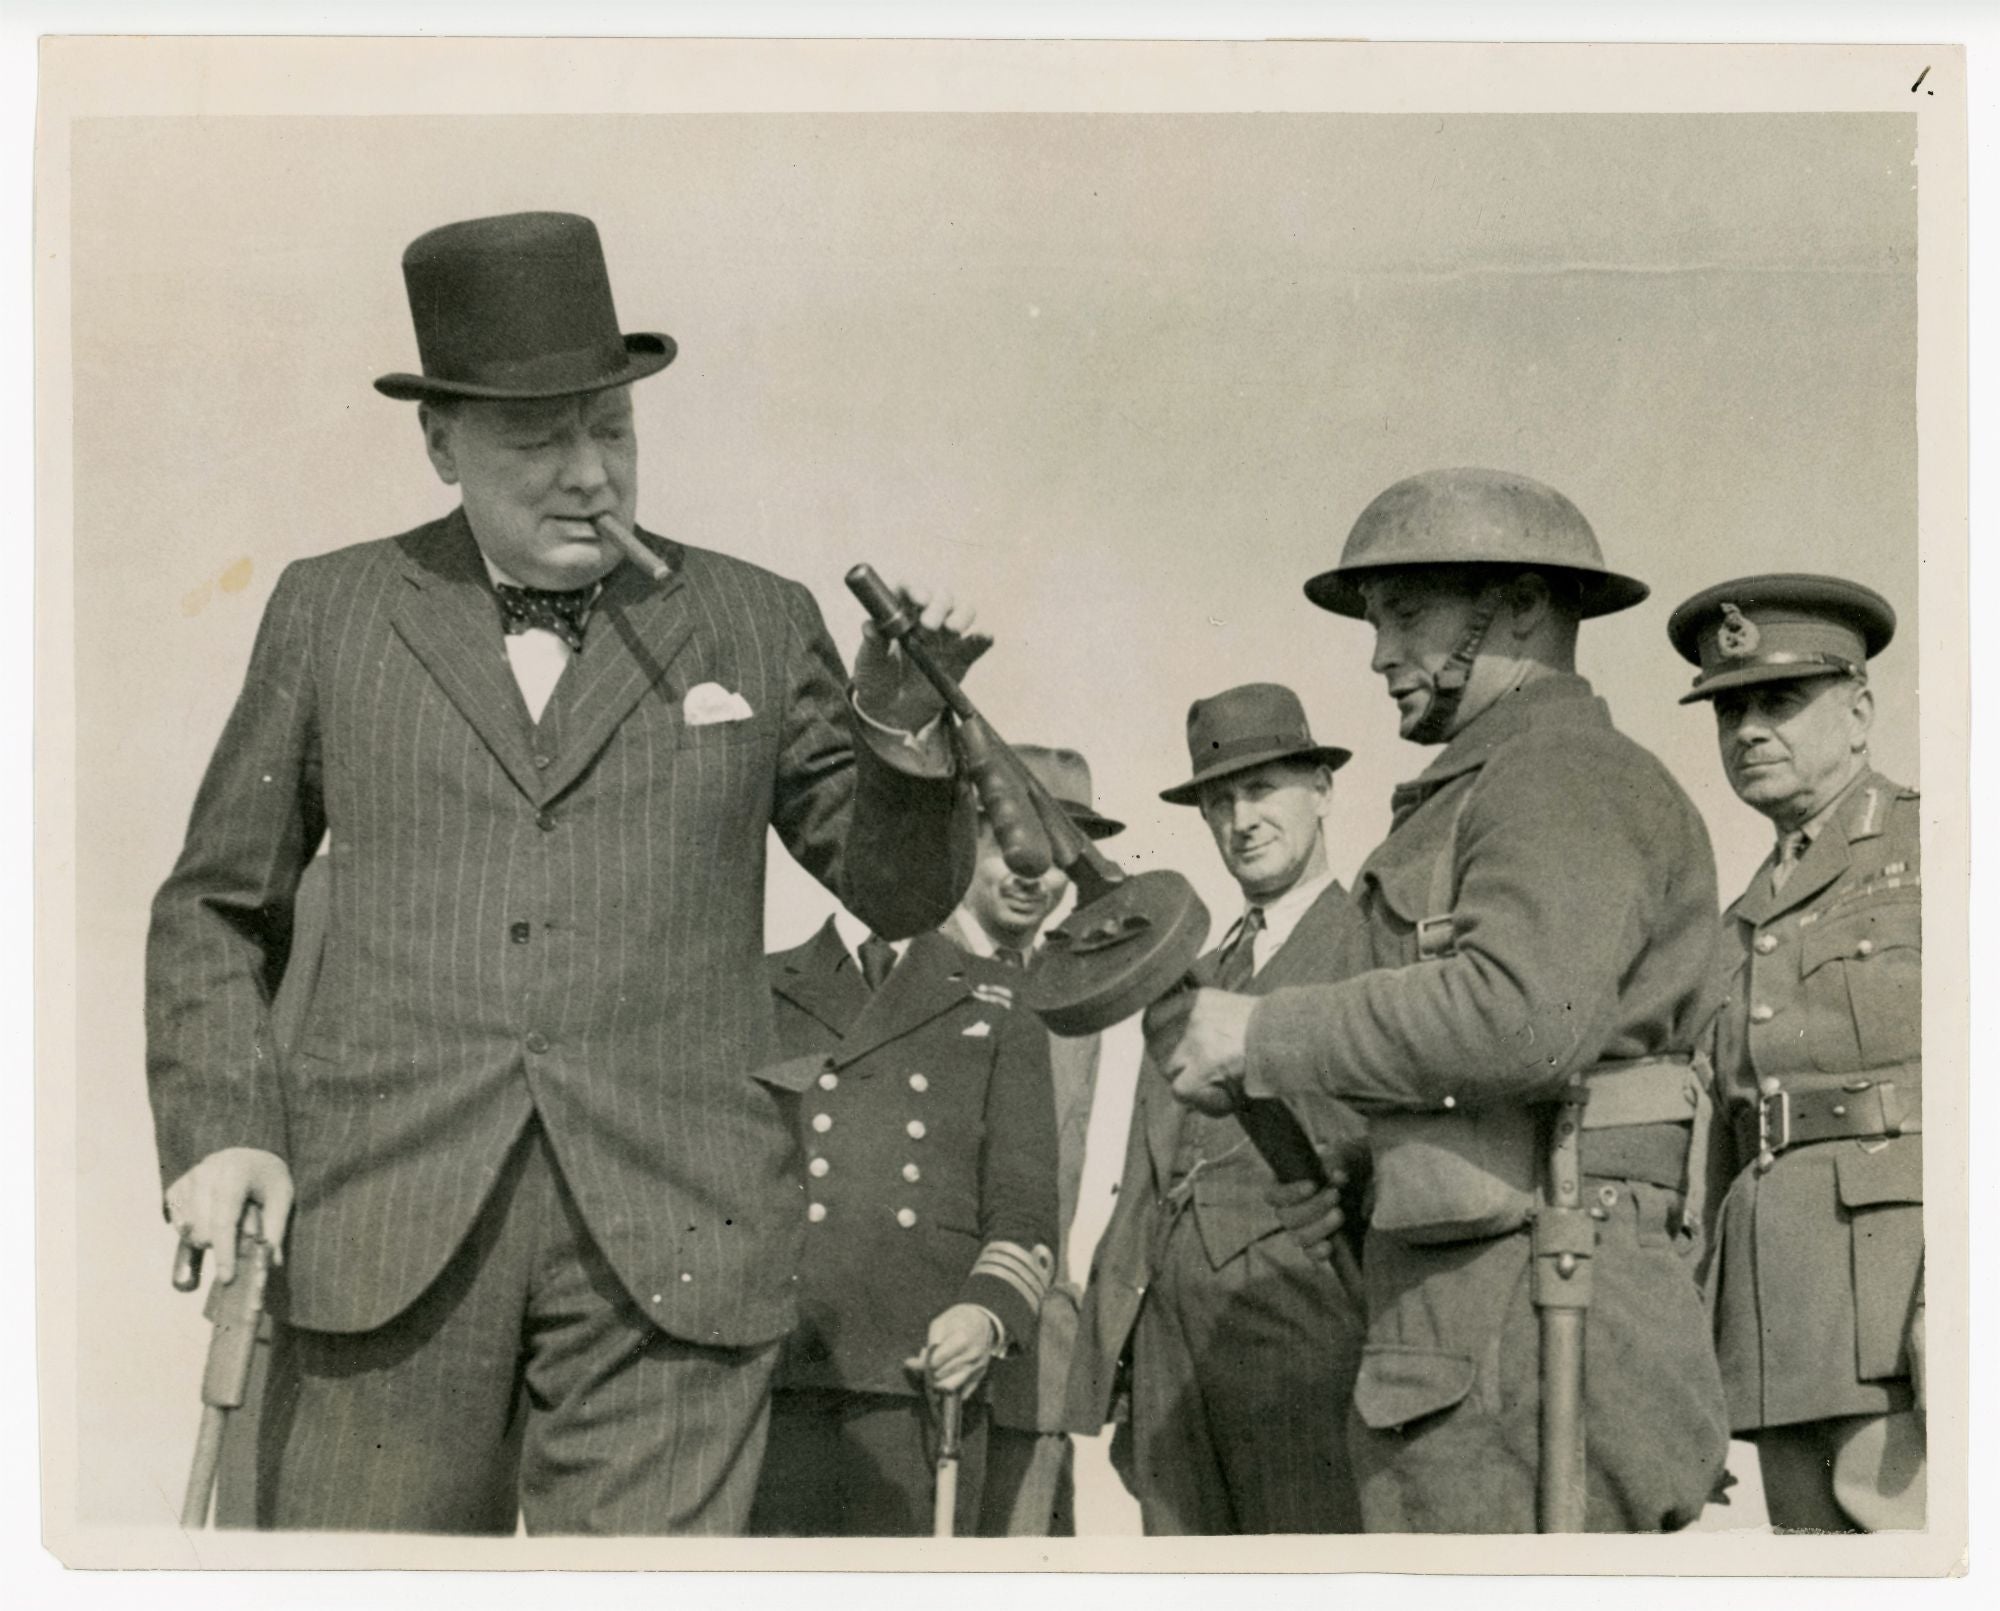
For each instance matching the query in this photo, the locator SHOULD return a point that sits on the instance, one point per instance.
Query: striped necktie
(1238, 964)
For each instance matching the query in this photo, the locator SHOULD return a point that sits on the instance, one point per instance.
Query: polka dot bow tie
(564, 614)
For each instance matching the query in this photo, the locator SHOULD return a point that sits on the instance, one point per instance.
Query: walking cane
(1564, 1239)
(236, 1309)
(944, 1504)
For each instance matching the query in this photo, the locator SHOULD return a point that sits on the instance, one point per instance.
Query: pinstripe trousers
(523, 1383)
(1240, 1385)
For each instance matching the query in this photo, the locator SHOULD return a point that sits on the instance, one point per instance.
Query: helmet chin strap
(1448, 686)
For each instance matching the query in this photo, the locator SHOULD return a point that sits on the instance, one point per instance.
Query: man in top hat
(1233, 1348)
(1817, 1274)
(536, 1221)
(1030, 1488)
(1541, 912)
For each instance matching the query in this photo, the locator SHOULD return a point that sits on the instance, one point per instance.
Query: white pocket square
(710, 702)
(975, 1031)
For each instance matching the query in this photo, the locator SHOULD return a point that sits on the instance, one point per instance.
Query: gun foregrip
(1282, 1141)
(1010, 812)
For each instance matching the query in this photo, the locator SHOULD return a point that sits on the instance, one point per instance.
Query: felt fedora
(517, 307)
(1245, 727)
(1066, 775)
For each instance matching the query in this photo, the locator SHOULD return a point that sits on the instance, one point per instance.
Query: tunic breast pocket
(1862, 974)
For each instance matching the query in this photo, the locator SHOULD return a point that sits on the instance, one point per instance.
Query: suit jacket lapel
(822, 981)
(449, 620)
(1305, 946)
(1162, 1118)
(636, 631)
(930, 980)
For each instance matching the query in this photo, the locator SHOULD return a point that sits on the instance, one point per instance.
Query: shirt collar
(853, 931)
(1282, 915)
(1810, 829)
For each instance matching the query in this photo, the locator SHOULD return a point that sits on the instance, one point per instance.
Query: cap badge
(1737, 637)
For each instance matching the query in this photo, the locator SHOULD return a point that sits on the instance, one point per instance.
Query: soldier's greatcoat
(1580, 889)
(1819, 1259)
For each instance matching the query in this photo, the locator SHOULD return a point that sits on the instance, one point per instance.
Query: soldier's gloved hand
(1311, 1214)
(887, 685)
(1199, 1039)
(961, 1344)
(206, 1204)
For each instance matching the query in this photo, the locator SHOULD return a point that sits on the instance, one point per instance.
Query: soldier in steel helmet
(1817, 1274)
(1541, 913)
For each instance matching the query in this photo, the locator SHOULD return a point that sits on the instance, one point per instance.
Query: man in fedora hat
(1540, 913)
(535, 1220)
(1231, 1349)
(1030, 1489)
(1816, 1277)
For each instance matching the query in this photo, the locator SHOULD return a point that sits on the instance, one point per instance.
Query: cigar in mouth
(615, 531)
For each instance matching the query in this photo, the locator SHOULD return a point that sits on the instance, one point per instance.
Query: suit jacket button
(546, 821)
(537, 1042)
(542, 762)
(519, 932)
(906, 1217)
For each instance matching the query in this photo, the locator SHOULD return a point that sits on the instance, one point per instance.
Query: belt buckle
(1772, 1138)
(1434, 937)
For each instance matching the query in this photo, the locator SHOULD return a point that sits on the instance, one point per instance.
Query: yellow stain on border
(236, 578)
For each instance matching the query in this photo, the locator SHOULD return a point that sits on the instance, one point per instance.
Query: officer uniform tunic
(927, 1178)
(1819, 1259)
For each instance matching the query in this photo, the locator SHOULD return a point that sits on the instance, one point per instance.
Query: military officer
(1030, 1488)
(928, 1184)
(1233, 1350)
(1817, 1277)
(1542, 912)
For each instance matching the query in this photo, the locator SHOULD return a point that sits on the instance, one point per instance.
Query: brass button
(919, 1083)
(912, 1173)
(1766, 944)
(816, 1212)
(915, 1129)
(1865, 949)
(822, 1122)
(828, 1080)
(1762, 1013)
(543, 762)
(906, 1217)
(818, 1167)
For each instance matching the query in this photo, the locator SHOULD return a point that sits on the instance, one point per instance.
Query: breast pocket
(721, 735)
(1862, 975)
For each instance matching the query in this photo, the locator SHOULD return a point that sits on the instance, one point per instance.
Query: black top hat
(1245, 727)
(517, 307)
(1779, 629)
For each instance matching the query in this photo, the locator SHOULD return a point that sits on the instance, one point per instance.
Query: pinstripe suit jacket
(563, 919)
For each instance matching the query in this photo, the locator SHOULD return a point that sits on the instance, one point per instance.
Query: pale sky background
(1123, 382)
